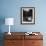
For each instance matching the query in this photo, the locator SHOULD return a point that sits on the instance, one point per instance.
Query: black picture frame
(27, 15)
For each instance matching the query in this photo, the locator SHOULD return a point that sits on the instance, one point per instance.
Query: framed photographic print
(27, 15)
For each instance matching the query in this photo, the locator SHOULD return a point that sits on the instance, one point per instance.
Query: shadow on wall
(2, 21)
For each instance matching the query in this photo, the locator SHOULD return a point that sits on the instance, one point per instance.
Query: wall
(11, 8)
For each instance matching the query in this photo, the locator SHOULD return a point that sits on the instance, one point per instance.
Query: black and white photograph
(27, 15)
